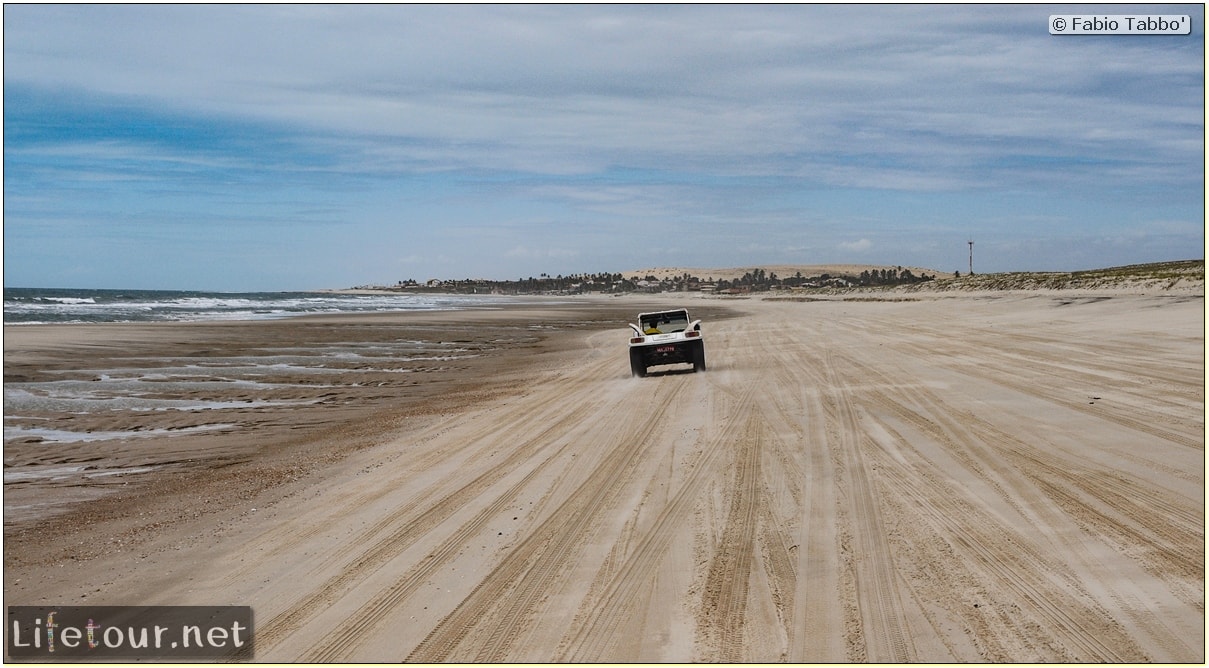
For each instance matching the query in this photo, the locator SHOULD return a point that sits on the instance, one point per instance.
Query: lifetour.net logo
(72, 633)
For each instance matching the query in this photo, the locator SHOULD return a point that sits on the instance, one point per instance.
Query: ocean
(43, 305)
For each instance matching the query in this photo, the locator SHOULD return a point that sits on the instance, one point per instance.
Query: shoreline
(422, 356)
(226, 394)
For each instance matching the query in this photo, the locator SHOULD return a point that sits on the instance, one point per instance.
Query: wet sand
(984, 477)
(174, 400)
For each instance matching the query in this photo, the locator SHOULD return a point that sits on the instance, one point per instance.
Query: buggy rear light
(691, 334)
(637, 339)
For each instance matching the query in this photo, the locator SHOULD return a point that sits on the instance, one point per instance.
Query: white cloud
(910, 97)
(536, 129)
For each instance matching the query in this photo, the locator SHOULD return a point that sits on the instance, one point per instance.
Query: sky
(296, 147)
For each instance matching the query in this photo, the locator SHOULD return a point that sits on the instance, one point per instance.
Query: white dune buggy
(666, 337)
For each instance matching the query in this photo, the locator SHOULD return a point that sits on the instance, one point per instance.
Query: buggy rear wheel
(637, 366)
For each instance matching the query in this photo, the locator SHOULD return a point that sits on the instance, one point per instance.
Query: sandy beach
(918, 477)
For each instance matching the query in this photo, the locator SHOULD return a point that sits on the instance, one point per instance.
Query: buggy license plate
(666, 349)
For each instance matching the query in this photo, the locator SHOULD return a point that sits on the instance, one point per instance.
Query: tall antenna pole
(971, 242)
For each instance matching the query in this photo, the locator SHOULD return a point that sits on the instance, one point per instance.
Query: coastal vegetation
(1160, 275)
(754, 280)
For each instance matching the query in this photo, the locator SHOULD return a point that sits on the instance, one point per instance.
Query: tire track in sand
(1119, 505)
(284, 539)
(1069, 621)
(875, 629)
(502, 601)
(1080, 628)
(412, 521)
(806, 550)
(722, 616)
(1032, 371)
(599, 626)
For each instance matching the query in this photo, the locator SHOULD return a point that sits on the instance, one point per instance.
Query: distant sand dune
(781, 270)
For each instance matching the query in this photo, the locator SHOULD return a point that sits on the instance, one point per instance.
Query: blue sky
(281, 147)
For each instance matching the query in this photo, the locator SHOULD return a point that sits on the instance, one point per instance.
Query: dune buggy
(666, 337)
